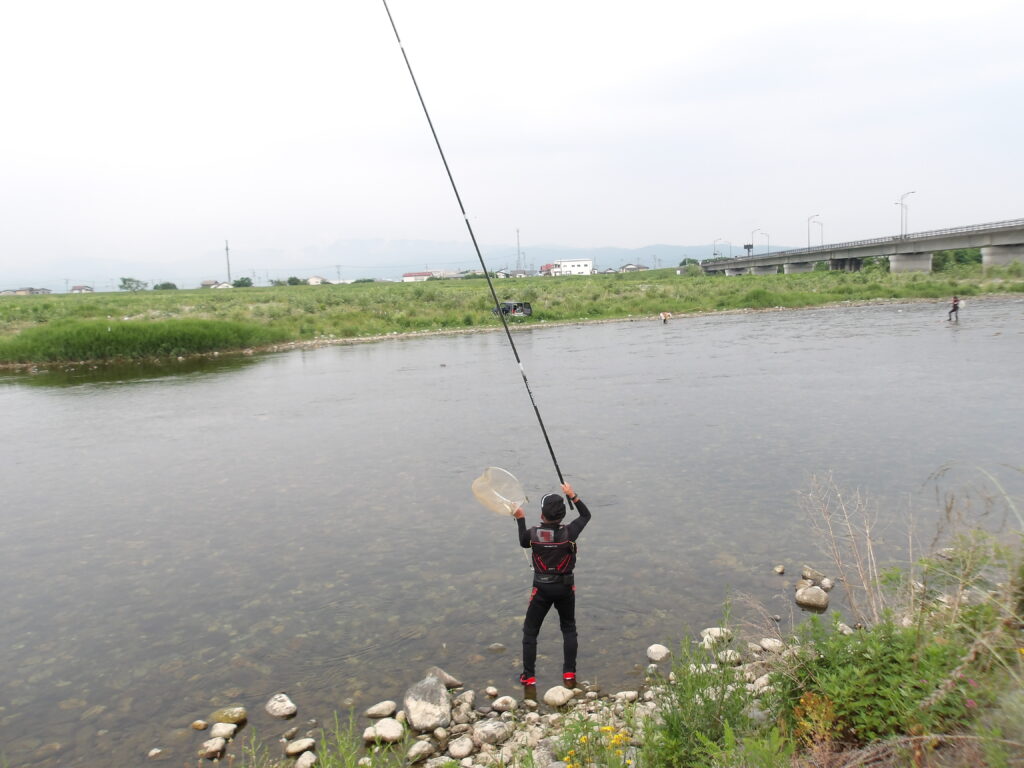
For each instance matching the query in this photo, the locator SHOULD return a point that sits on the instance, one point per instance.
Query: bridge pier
(844, 265)
(735, 271)
(766, 269)
(797, 266)
(1001, 255)
(910, 262)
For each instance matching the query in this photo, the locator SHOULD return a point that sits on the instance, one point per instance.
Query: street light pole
(769, 246)
(821, 232)
(714, 247)
(903, 212)
(809, 229)
(752, 241)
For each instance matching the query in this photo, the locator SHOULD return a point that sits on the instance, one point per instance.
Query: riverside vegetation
(170, 323)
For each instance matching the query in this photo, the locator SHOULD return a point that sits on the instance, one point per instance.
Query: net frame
(499, 490)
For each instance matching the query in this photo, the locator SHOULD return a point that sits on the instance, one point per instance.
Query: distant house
(572, 267)
(520, 273)
(609, 271)
(502, 273)
(28, 291)
(316, 280)
(632, 268)
(221, 285)
(208, 283)
(546, 269)
(81, 289)
(6, 292)
(417, 277)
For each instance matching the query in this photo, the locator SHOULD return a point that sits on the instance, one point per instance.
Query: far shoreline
(404, 335)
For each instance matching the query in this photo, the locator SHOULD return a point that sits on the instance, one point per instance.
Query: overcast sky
(137, 137)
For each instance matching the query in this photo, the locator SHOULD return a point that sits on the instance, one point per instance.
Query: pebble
(223, 730)
(200, 725)
(558, 696)
(779, 569)
(306, 759)
(460, 748)
(504, 704)
(421, 750)
(491, 691)
(382, 709)
(229, 715)
(212, 748)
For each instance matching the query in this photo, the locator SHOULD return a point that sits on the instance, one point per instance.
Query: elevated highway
(1001, 243)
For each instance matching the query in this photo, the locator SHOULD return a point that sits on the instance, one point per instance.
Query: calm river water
(174, 542)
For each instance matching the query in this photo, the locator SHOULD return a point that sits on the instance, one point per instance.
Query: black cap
(552, 506)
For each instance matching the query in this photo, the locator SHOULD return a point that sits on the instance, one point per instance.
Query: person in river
(553, 548)
(954, 309)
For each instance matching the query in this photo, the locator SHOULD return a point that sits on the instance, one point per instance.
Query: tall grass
(118, 339)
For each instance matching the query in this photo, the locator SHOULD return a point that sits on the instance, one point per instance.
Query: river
(182, 537)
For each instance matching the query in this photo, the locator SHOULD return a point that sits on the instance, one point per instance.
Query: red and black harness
(554, 555)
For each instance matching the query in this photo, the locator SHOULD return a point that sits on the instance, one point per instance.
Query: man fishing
(954, 309)
(554, 557)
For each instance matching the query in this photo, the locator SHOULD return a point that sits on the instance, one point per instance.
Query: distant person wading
(554, 557)
(954, 310)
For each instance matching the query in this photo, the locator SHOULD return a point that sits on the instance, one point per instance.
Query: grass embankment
(371, 309)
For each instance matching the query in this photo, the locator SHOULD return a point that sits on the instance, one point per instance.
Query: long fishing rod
(483, 266)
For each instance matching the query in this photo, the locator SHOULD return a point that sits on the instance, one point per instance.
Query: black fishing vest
(553, 552)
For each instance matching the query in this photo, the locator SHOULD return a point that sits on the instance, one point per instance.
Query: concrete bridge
(1001, 243)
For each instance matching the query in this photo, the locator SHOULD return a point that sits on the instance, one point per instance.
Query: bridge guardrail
(817, 249)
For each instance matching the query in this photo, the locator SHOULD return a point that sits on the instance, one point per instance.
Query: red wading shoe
(569, 680)
(524, 680)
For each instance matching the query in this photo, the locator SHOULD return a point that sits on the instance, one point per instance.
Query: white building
(572, 267)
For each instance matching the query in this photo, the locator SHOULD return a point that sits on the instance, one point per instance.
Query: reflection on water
(93, 374)
(304, 521)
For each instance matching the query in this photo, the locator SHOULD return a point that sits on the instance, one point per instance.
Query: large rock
(281, 706)
(811, 575)
(658, 652)
(558, 696)
(381, 709)
(427, 705)
(306, 760)
(772, 644)
(444, 677)
(813, 598)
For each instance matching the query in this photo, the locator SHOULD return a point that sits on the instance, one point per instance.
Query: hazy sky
(137, 136)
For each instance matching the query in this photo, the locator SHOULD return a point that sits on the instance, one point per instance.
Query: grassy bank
(371, 309)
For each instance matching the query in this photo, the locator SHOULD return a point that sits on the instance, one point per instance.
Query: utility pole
(337, 268)
(227, 256)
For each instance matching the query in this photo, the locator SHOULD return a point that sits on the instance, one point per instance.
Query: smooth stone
(223, 730)
(290, 733)
(812, 597)
(496, 648)
(810, 574)
(558, 696)
(461, 747)
(491, 691)
(388, 730)
(779, 569)
(803, 584)
(845, 629)
(212, 748)
(306, 759)
(200, 725)
(658, 652)
(281, 706)
(772, 644)
(466, 697)
(154, 753)
(297, 747)
(504, 704)
(235, 715)
(827, 584)
(444, 677)
(427, 705)
(381, 709)
(629, 696)
(421, 750)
